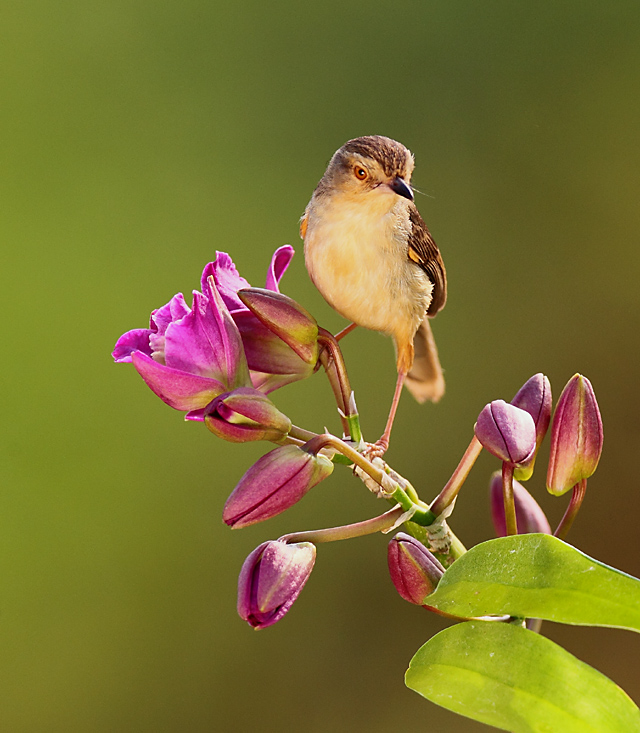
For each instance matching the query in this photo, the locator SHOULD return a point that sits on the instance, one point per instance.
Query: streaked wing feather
(424, 252)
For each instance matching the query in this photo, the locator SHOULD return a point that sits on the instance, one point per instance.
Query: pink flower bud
(273, 484)
(244, 415)
(506, 431)
(415, 572)
(535, 397)
(529, 515)
(576, 436)
(288, 320)
(271, 579)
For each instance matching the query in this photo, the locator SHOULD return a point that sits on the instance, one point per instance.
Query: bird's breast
(357, 258)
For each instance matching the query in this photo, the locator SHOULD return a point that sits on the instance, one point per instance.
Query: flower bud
(506, 431)
(286, 318)
(535, 397)
(415, 572)
(273, 484)
(271, 579)
(529, 515)
(576, 436)
(246, 414)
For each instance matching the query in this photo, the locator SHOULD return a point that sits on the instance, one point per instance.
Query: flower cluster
(220, 359)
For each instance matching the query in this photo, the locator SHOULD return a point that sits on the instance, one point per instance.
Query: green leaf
(514, 679)
(538, 576)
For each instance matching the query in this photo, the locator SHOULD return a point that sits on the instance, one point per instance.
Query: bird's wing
(303, 224)
(424, 252)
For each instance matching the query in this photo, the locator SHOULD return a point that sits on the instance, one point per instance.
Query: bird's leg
(345, 331)
(379, 448)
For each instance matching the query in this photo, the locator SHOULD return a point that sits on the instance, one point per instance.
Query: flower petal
(268, 383)
(227, 279)
(245, 415)
(576, 436)
(279, 263)
(286, 318)
(206, 342)
(266, 352)
(506, 431)
(179, 389)
(175, 309)
(273, 484)
(135, 340)
(271, 579)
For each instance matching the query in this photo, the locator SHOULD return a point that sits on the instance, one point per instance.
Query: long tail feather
(425, 380)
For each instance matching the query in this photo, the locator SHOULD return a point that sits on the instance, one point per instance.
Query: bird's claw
(377, 449)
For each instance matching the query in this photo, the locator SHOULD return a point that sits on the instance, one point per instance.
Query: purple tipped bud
(273, 484)
(246, 414)
(576, 436)
(535, 397)
(271, 579)
(415, 572)
(529, 515)
(284, 317)
(506, 431)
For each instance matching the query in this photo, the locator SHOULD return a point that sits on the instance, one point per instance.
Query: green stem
(348, 531)
(577, 496)
(454, 548)
(508, 500)
(390, 488)
(458, 477)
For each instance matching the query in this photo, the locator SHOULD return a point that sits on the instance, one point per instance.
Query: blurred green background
(138, 137)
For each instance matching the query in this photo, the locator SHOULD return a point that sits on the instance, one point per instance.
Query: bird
(372, 257)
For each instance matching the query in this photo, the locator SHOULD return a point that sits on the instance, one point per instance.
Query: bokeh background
(138, 137)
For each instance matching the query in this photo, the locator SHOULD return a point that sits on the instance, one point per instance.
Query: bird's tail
(425, 380)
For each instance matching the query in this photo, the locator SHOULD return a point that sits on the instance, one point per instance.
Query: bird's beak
(402, 188)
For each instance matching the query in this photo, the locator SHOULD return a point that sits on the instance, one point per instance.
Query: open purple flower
(189, 356)
(273, 363)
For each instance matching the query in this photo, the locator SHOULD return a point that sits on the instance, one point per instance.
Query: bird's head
(370, 166)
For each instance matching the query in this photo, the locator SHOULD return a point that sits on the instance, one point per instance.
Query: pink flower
(189, 356)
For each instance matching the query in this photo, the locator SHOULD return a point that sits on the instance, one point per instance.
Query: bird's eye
(360, 173)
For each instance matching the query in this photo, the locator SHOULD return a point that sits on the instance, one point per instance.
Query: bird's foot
(377, 449)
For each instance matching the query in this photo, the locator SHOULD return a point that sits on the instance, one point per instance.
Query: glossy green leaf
(538, 576)
(514, 679)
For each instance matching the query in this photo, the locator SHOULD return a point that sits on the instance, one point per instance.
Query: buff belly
(362, 269)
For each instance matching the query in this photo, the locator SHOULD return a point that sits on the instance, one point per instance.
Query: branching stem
(348, 531)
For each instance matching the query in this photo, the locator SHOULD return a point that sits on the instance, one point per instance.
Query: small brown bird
(371, 256)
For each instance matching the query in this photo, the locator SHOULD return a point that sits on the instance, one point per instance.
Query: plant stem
(348, 531)
(508, 500)
(334, 382)
(331, 347)
(458, 477)
(333, 361)
(577, 496)
(390, 488)
(301, 433)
